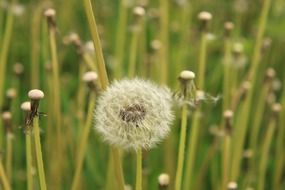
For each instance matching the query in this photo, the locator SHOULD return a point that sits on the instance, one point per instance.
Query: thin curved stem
(83, 143)
(39, 155)
(181, 153)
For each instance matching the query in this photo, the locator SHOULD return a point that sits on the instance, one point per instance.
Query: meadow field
(142, 95)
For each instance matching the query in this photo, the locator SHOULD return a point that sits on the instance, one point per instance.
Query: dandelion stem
(39, 153)
(139, 170)
(192, 145)
(4, 177)
(9, 156)
(164, 40)
(239, 137)
(121, 37)
(83, 143)
(4, 52)
(29, 160)
(182, 142)
(96, 40)
(227, 76)
(202, 60)
(133, 54)
(264, 154)
(118, 168)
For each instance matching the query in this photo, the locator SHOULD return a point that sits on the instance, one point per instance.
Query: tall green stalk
(81, 151)
(29, 160)
(38, 149)
(263, 163)
(103, 77)
(182, 142)
(243, 117)
(121, 37)
(139, 170)
(4, 177)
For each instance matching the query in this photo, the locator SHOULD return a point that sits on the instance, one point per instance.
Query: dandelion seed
(134, 114)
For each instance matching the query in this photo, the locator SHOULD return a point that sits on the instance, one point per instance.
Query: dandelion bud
(36, 94)
(276, 108)
(156, 45)
(50, 12)
(270, 74)
(26, 106)
(139, 11)
(134, 114)
(188, 89)
(228, 26)
(232, 185)
(7, 121)
(163, 180)
(237, 49)
(11, 93)
(50, 15)
(18, 69)
(187, 75)
(90, 78)
(204, 17)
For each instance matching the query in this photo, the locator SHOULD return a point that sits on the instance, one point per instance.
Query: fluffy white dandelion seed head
(134, 114)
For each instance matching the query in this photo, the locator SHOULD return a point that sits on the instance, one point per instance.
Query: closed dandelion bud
(232, 185)
(134, 114)
(90, 78)
(163, 181)
(7, 121)
(50, 15)
(205, 17)
(228, 26)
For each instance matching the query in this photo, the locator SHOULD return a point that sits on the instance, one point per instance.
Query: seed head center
(132, 113)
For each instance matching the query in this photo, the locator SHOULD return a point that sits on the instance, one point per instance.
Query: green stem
(104, 83)
(264, 154)
(4, 52)
(164, 39)
(117, 163)
(226, 161)
(202, 61)
(98, 48)
(133, 54)
(38, 149)
(83, 143)
(182, 142)
(9, 155)
(139, 170)
(121, 37)
(3, 177)
(57, 114)
(29, 161)
(35, 32)
(243, 117)
(191, 151)
(227, 76)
